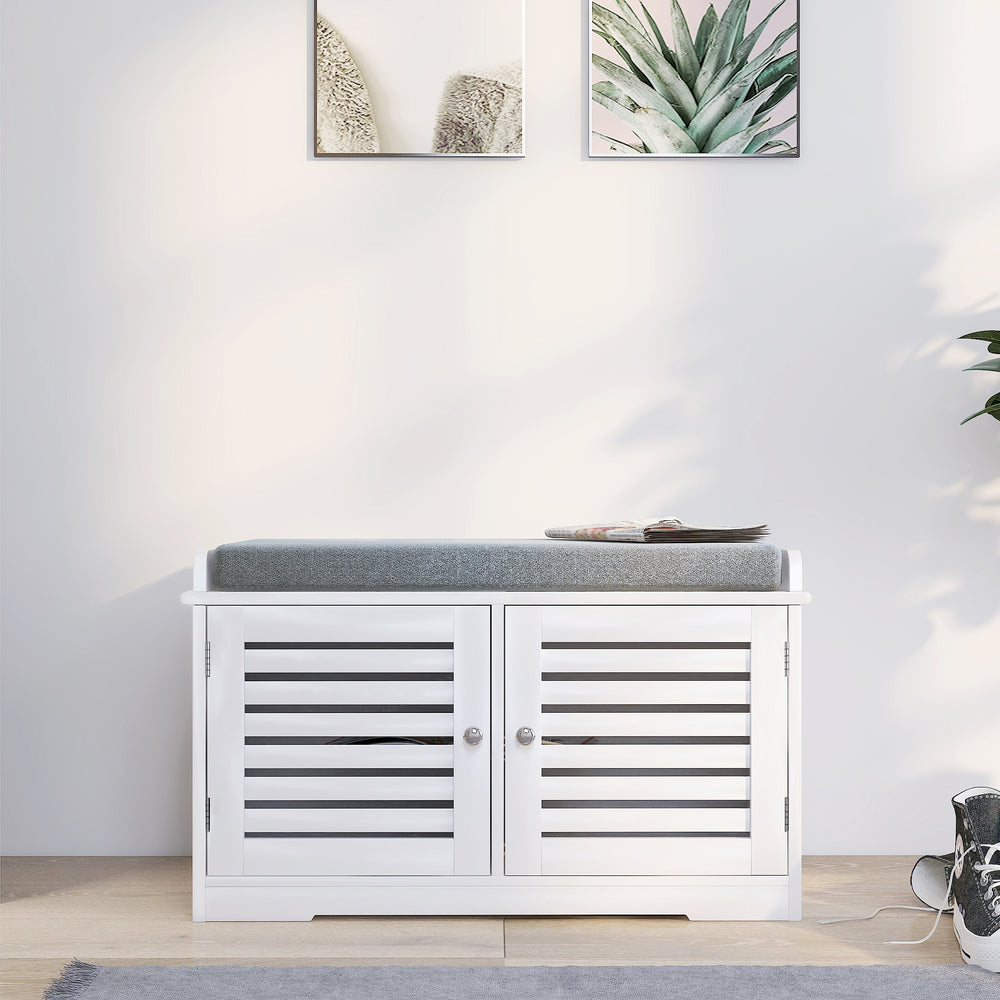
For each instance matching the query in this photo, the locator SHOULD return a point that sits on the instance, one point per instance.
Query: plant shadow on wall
(895, 506)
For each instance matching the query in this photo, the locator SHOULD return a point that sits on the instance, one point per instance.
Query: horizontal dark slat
(643, 708)
(348, 804)
(644, 772)
(645, 803)
(607, 741)
(341, 676)
(351, 709)
(647, 833)
(346, 741)
(311, 834)
(640, 675)
(349, 772)
(645, 645)
(349, 645)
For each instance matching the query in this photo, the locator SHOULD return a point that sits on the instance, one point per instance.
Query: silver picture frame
(686, 78)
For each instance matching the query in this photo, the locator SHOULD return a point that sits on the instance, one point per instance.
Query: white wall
(210, 336)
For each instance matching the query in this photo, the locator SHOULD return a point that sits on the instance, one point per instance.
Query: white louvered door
(658, 740)
(336, 743)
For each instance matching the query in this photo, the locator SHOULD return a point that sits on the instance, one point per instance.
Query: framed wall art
(434, 77)
(676, 78)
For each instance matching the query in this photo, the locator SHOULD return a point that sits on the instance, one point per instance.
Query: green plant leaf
(762, 140)
(747, 45)
(735, 145)
(626, 58)
(778, 144)
(992, 336)
(668, 52)
(739, 59)
(992, 407)
(738, 24)
(657, 132)
(993, 365)
(720, 46)
(642, 94)
(722, 80)
(741, 27)
(785, 66)
(608, 89)
(661, 75)
(738, 120)
(630, 15)
(756, 66)
(705, 30)
(710, 114)
(784, 89)
(732, 74)
(687, 59)
(618, 145)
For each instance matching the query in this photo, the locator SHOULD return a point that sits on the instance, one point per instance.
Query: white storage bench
(496, 727)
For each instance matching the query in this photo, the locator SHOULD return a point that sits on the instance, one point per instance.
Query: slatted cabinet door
(645, 741)
(336, 740)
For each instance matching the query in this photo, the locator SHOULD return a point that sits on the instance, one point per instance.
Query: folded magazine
(667, 529)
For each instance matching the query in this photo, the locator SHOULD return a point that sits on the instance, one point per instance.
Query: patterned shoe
(977, 876)
(930, 881)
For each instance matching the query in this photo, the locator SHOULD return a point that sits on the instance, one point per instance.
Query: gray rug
(396, 982)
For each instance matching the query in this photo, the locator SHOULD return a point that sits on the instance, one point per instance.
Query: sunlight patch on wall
(574, 278)
(931, 160)
(965, 274)
(986, 504)
(195, 147)
(947, 175)
(566, 464)
(947, 693)
(356, 348)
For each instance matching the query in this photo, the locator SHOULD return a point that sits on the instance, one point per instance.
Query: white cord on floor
(840, 920)
(937, 920)
(923, 909)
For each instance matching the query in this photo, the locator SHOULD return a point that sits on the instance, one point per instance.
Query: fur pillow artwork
(344, 119)
(481, 113)
(394, 79)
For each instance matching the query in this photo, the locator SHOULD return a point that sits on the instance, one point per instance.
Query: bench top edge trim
(467, 598)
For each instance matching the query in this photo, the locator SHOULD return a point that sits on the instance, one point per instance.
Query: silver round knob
(473, 736)
(525, 735)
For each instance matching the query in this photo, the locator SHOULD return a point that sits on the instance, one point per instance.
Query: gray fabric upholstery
(468, 564)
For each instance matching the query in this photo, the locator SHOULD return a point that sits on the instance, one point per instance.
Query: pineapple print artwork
(683, 78)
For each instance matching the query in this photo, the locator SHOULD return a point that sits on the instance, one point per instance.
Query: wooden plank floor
(136, 911)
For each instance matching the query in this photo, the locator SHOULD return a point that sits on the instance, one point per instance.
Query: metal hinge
(208, 659)
(786, 814)
(788, 658)
(208, 815)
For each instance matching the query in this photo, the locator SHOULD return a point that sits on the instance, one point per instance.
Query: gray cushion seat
(279, 564)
